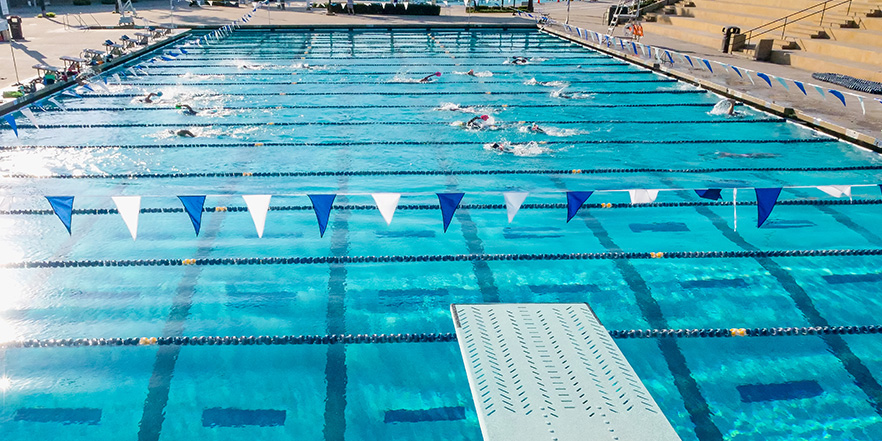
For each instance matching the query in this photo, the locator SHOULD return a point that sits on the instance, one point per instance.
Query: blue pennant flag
(193, 206)
(670, 58)
(765, 77)
(837, 94)
(449, 202)
(710, 193)
(689, 60)
(321, 204)
(11, 120)
(634, 47)
(801, 87)
(63, 208)
(183, 51)
(736, 71)
(765, 202)
(707, 63)
(575, 199)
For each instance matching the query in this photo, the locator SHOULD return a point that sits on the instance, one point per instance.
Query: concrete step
(823, 64)
(712, 40)
(691, 23)
(862, 37)
(841, 50)
(874, 24)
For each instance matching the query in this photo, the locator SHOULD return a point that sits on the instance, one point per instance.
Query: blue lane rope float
(379, 106)
(286, 70)
(596, 171)
(378, 82)
(411, 93)
(546, 206)
(324, 260)
(420, 143)
(431, 337)
(383, 123)
(410, 55)
(443, 64)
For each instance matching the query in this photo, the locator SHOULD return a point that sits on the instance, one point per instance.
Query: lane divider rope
(324, 260)
(442, 172)
(329, 339)
(411, 94)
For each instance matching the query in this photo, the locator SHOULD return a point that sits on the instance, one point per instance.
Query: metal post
(14, 65)
(784, 29)
(849, 8)
(821, 23)
(568, 12)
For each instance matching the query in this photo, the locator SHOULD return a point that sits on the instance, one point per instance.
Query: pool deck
(47, 39)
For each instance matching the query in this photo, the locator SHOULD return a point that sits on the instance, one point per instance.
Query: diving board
(550, 371)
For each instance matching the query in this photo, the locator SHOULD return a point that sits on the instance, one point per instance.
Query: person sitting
(49, 79)
(149, 97)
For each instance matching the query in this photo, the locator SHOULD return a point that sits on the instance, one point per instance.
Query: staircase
(844, 39)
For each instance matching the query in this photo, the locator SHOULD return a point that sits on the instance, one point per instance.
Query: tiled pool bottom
(752, 388)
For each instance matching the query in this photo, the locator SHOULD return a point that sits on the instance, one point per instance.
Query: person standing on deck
(350, 7)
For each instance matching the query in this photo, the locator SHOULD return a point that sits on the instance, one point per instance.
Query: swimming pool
(291, 113)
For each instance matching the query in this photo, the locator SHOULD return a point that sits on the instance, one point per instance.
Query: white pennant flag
(861, 100)
(513, 202)
(129, 208)
(837, 191)
(29, 115)
(643, 196)
(54, 101)
(387, 203)
(6, 202)
(258, 205)
(117, 78)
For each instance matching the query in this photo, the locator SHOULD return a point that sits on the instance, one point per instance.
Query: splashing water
(555, 131)
(722, 108)
(401, 78)
(481, 74)
(560, 93)
(531, 148)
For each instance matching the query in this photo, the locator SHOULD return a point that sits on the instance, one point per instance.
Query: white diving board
(543, 371)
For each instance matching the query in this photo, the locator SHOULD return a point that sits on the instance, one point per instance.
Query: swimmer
(149, 97)
(500, 148)
(519, 60)
(474, 124)
(471, 73)
(730, 110)
(428, 78)
(184, 133)
(747, 155)
(536, 129)
(186, 108)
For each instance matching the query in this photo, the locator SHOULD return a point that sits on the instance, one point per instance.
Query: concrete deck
(47, 39)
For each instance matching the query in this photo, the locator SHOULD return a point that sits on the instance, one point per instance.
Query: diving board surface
(543, 371)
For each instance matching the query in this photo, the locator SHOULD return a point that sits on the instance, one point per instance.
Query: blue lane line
(59, 415)
(791, 390)
(425, 415)
(218, 417)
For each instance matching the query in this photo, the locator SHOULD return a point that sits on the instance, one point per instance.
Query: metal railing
(790, 19)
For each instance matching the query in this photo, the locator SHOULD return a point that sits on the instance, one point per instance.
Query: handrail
(783, 27)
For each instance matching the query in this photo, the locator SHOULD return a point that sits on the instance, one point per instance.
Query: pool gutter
(57, 87)
(792, 114)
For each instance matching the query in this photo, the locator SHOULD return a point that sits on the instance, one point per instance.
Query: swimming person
(747, 155)
(475, 124)
(471, 73)
(149, 97)
(428, 78)
(184, 133)
(724, 107)
(186, 108)
(731, 109)
(519, 60)
(536, 129)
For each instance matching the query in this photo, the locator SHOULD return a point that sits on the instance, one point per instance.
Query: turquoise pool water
(299, 102)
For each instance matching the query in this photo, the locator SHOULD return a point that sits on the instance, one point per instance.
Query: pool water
(282, 112)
